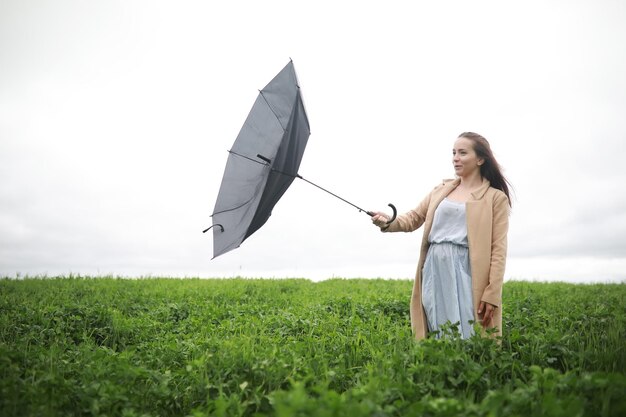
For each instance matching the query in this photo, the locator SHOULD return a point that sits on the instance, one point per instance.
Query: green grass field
(240, 347)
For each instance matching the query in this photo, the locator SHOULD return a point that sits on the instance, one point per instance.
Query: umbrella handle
(393, 217)
(395, 213)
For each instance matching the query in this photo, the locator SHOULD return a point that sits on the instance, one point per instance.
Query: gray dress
(446, 278)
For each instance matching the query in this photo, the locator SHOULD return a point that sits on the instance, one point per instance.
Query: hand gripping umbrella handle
(395, 213)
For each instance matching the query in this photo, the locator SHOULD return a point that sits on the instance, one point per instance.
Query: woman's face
(464, 158)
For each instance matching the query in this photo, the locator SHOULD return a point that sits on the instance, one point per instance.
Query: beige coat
(487, 213)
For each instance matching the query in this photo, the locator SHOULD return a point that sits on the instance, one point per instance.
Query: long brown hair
(490, 169)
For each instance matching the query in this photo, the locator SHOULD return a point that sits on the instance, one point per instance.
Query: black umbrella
(263, 162)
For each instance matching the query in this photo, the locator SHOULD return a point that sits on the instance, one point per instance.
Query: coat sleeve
(411, 220)
(499, 231)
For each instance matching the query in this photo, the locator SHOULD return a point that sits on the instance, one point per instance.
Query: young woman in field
(463, 253)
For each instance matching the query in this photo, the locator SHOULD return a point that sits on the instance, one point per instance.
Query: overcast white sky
(116, 118)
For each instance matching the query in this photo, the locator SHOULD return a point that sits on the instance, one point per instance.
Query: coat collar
(479, 193)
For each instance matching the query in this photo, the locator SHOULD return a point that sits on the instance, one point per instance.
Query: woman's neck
(471, 182)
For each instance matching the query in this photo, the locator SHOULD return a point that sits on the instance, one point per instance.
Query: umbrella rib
(248, 158)
(231, 209)
(273, 112)
(246, 202)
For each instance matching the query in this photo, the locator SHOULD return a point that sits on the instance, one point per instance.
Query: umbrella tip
(216, 224)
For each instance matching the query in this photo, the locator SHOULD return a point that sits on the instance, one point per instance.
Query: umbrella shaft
(268, 162)
(369, 213)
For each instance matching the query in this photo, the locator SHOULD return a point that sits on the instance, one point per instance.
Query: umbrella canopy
(262, 163)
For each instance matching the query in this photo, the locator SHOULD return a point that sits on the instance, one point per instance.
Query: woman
(463, 253)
